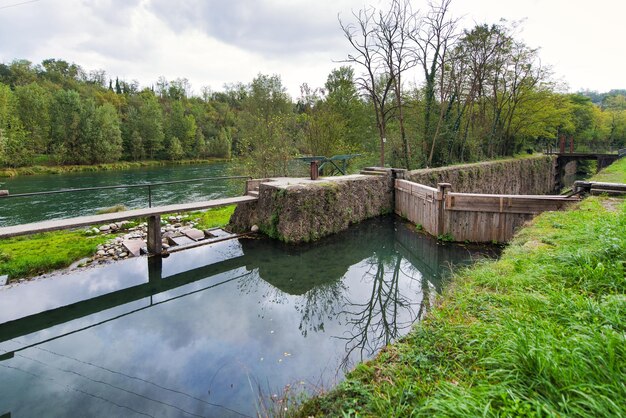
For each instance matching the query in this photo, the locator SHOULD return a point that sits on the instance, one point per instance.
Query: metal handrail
(124, 186)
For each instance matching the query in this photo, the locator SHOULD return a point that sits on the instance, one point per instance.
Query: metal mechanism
(338, 163)
(597, 188)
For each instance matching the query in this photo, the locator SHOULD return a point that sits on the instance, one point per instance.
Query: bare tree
(394, 28)
(364, 39)
(432, 39)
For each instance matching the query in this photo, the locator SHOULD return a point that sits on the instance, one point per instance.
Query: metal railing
(125, 186)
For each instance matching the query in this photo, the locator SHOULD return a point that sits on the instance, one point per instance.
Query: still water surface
(14, 211)
(217, 330)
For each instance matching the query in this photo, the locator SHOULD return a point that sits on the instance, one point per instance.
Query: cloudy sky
(213, 42)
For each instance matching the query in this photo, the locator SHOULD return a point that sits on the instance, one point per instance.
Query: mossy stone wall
(532, 175)
(311, 210)
(307, 212)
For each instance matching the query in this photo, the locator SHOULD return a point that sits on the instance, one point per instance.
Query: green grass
(37, 254)
(615, 173)
(32, 255)
(540, 332)
(212, 218)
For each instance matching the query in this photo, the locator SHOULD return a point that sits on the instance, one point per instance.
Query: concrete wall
(296, 210)
(533, 175)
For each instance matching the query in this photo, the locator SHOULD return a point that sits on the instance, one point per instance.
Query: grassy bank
(541, 332)
(33, 255)
(28, 256)
(123, 165)
(615, 173)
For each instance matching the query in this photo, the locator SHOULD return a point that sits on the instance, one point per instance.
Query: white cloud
(215, 42)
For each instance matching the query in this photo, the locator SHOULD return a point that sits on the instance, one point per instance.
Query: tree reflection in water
(371, 282)
(388, 313)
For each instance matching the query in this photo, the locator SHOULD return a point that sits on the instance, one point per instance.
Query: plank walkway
(55, 225)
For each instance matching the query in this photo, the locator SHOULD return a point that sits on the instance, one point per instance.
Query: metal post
(149, 196)
(315, 170)
(154, 234)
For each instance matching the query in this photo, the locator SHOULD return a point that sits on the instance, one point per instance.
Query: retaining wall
(305, 211)
(532, 175)
(300, 210)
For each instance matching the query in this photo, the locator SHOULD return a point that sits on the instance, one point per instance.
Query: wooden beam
(155, 246)
(56, 225)
(505, 203)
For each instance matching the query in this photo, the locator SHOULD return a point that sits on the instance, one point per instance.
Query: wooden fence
(468, 216)
(419, 204)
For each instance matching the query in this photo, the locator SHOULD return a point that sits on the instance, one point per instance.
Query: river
(19, 210)
(224, 330)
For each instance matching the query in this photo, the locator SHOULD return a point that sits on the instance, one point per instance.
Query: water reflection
(198, 333)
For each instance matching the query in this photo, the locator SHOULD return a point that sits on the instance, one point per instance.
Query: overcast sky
(213, 42)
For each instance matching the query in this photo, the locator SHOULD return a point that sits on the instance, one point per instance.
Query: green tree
(33, 107)
(266, 125)
(175, 150)
(221, 145)
(67, 124)
(343, 98)
(150, 124)
(15, 150)
(183, 127)
(104, 137)
(135, 146)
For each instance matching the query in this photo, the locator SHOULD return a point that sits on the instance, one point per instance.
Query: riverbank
(29, 256)
(124, 165)
(538, 333)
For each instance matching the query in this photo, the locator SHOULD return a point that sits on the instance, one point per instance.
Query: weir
(497, 197)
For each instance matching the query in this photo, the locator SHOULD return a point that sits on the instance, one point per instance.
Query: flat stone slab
(181, 240)
(134, 246)
(216, 233)
(285, 182)
(194, 234)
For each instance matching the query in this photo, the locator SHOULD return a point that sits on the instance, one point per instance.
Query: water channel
(19, 210)
(216, 330)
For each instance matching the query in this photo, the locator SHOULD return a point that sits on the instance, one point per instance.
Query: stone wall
(302, 211)
(532, 175)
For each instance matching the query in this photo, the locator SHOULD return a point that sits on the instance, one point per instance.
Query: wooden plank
(55, 225)
(505, 204)
(154, 234)
(486, 195)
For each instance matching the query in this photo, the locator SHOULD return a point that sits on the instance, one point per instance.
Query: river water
(220, 330)
(14, 211)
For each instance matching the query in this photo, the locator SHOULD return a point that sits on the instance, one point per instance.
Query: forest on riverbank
(485, 94)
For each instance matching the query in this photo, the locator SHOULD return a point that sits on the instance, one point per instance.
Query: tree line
(484, 94)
